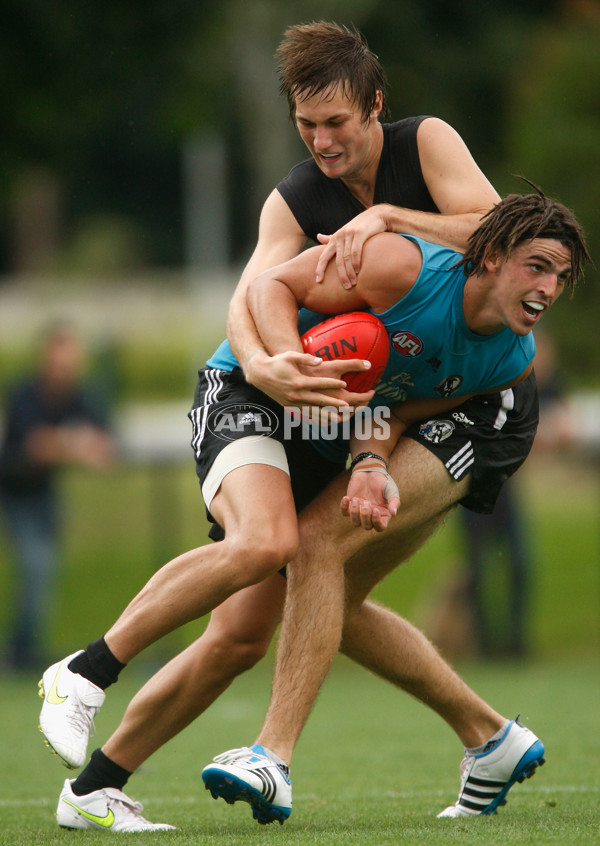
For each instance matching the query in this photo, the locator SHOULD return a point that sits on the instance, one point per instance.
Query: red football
(356, 334)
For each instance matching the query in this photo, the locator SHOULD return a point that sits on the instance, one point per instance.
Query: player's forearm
(274, 310)
(242, 333)
(390, 423)
(276, 244)
(386, 430)
(448, 230)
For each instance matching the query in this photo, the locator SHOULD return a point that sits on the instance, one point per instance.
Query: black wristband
(369, 454)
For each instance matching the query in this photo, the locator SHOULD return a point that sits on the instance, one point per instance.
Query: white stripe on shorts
(460, 462)
(508, 403)
(199, 415)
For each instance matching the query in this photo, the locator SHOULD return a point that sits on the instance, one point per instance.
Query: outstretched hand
(372, 499)
(347, 245)
(301, 379)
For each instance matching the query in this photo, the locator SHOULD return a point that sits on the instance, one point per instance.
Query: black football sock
(97, 664)
(100, 772)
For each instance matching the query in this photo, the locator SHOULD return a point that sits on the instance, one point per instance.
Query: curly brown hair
(523, 217)
(316, 57)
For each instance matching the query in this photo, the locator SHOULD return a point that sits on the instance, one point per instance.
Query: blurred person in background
(497, 544)
(51, 421)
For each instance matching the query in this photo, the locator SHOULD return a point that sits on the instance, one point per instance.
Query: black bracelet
(362, 455)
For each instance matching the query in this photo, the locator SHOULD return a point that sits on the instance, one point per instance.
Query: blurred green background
(139, 142)
(121, 527)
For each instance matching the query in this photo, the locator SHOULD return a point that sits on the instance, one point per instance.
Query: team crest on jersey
(407, 344)
(449, 386)
(436, 431)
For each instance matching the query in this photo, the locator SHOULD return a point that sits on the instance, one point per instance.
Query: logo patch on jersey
(393, 389)
(436, 431)
(462, 418)
(407, 344)
(449, 386)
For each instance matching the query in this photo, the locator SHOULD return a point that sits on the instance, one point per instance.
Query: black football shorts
(489, 436)
(226, 409)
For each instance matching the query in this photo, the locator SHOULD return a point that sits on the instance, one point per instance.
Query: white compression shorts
(255, 449)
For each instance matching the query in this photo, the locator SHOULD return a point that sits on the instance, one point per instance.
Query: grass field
(373, 766)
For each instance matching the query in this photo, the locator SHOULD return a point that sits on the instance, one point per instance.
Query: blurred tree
(86, 96)
(261, 143)
(453, 61)
(553, 133)
(101, 97)
(99, 100)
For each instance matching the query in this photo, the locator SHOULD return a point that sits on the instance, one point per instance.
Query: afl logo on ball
(407, 344)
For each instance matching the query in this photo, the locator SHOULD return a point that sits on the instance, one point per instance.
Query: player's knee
(244, 654)
(267, 553)
(237, 651)
(280, 551)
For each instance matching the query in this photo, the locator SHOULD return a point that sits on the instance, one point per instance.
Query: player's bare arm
(391, 265)
(372, 497)
(457, 186)
(279, 239)
(293, 378)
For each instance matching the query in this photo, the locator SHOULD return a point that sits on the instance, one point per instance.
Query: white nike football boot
(108, 809)
(487, 777)
(250, 774)
(67, 717)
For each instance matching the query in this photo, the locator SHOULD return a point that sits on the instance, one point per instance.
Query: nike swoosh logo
(53, 698)
(105, 822)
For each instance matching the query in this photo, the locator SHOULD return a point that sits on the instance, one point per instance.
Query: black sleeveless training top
(322, 204)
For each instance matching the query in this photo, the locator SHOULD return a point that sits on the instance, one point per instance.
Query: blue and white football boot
(253, 775)
(487, 777)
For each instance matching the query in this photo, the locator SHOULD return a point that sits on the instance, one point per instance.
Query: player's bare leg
(394, 649)
(237, 636)
(502, 752)
(261, 536)
(374, 636)
(312, 626)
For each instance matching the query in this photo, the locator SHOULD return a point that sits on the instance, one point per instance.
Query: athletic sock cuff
(97, 664)
(101, 772)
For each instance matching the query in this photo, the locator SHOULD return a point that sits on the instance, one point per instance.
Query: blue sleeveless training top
(433, 353)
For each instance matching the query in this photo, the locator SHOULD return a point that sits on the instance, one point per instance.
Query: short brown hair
(314, 58)
(523, 217)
